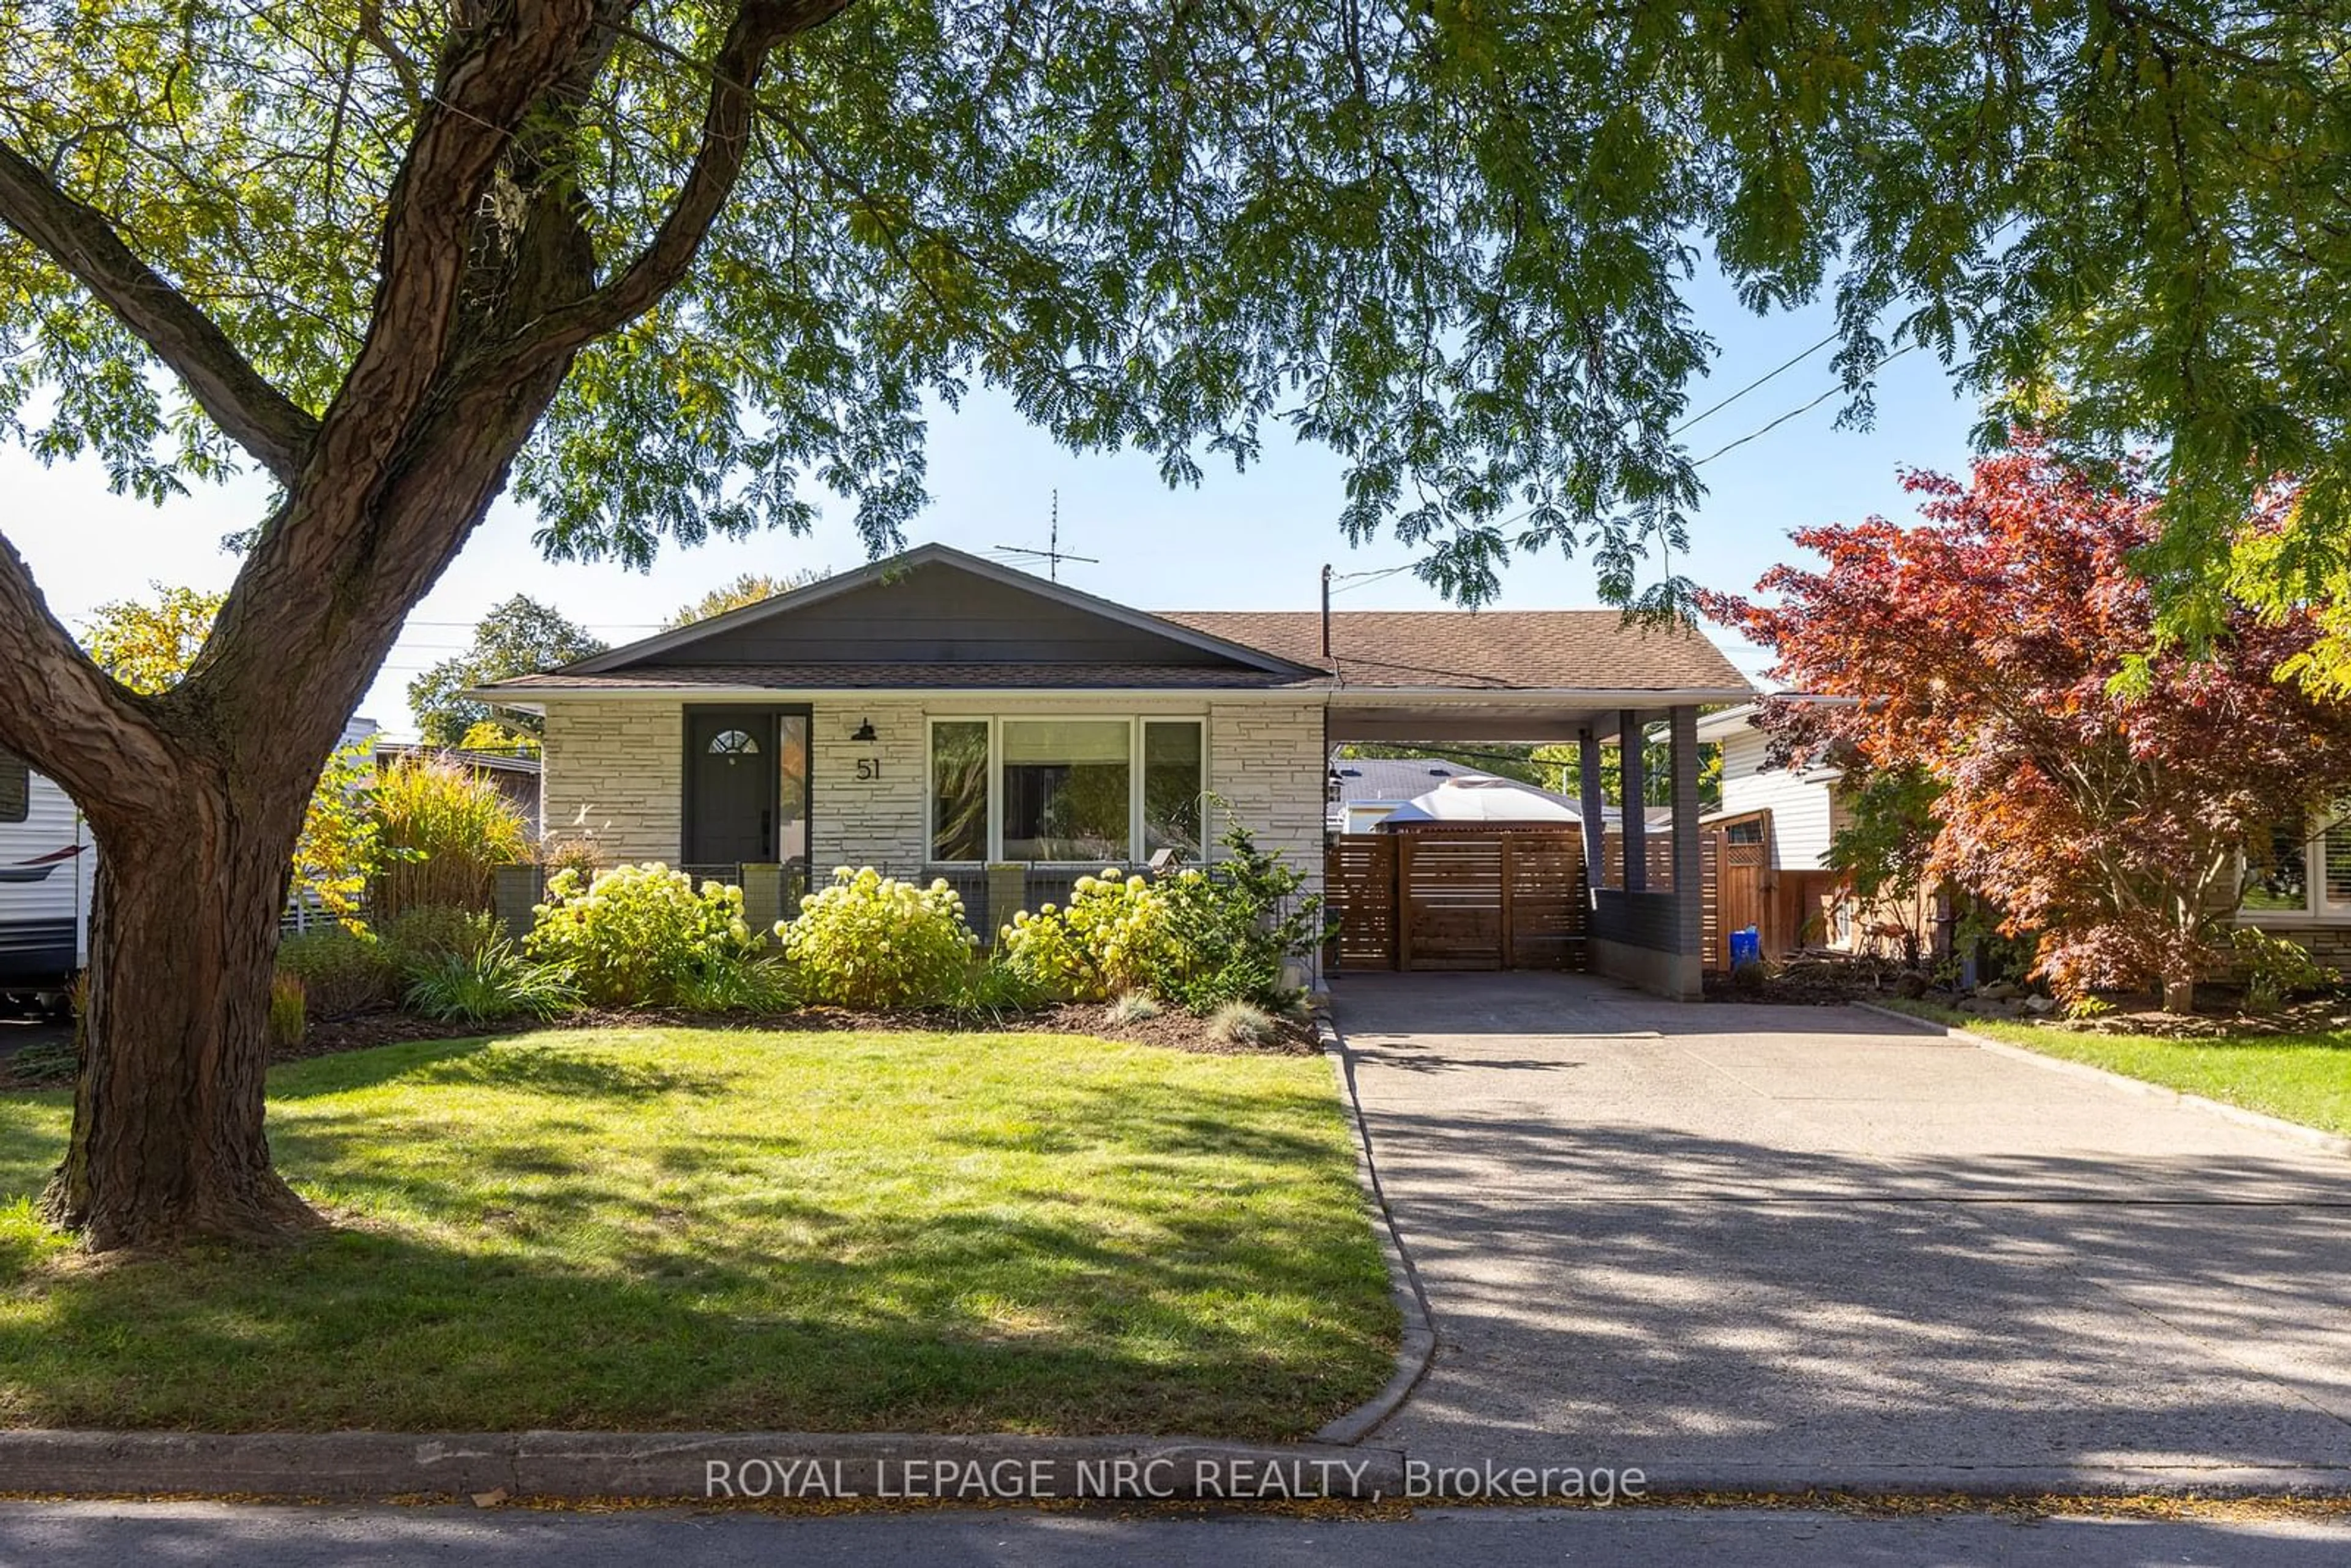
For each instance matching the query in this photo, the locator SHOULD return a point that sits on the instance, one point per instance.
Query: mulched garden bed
(1173, 1029)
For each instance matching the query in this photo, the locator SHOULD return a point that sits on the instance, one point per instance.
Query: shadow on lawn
(1210, 1273)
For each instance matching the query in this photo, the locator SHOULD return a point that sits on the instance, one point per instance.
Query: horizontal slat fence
(1453, 900)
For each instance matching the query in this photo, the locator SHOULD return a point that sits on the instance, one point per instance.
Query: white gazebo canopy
(1483, 800)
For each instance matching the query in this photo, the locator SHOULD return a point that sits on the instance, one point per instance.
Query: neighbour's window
(16, 787)
(1747, 832)
(1066, 788)
(960, 789)
(1172, 789)
(2334, 860)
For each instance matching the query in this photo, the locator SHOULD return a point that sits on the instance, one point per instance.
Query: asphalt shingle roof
(1500, 650)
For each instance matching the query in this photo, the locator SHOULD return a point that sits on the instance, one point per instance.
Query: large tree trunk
(167, 1133)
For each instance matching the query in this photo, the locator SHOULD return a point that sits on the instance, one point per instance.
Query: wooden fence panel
(1451, 890)
(1359, 876)
(1549, 901)
(1452, 900)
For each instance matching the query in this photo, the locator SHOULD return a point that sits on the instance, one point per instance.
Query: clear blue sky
(1252, 540)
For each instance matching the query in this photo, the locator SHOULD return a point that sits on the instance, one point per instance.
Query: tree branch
(755, 31)
(80, 238)
(112, 742)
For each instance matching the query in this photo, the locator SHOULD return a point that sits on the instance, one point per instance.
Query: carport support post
(1689, 866)
(1630, 742)
(1595, 820)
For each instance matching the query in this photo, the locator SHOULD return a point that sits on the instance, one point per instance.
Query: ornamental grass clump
(443, 831)
(871, 941)
(1112, 940)
(639, 935)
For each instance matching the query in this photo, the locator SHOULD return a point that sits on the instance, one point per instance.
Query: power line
(1750, 386)
(1807, 408)
(1365, 578)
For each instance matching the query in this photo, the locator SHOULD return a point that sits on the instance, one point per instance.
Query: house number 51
(869, 768)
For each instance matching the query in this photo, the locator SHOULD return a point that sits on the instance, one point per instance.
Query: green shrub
(992, 992)
(341, 970)
(637, 934)
(761, 986)
(1113, 937)
(441, 831)
(871, 941)
(1231, 930)
(2274, 968)
(420, 939)
(491, 984)
(288, 1012)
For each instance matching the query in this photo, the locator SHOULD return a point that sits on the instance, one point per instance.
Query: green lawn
(683, 1229)
(2302, 1078)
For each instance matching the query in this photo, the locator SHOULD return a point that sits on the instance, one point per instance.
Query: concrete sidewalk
(1793, 1244)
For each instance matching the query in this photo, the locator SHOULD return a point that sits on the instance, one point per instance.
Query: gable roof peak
(935, 554)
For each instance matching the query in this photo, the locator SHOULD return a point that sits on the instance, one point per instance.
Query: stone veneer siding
(616, 766)
(624, 760)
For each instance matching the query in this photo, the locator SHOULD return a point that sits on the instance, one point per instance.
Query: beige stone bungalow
(939, 715)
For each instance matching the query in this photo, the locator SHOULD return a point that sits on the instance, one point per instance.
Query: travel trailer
(46, 867)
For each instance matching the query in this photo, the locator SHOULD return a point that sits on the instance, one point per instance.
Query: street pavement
(163, 1535)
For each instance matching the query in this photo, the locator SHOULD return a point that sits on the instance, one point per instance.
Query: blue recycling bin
(1746, 946)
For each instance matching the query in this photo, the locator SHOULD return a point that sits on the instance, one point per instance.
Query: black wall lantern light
(864, 732)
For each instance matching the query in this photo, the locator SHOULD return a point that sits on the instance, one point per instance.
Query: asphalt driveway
(1729, 1241)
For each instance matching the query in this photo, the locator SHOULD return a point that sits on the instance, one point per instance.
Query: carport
(1626, 904)
(1580, 678)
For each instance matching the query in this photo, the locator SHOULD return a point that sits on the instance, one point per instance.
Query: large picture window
(1067, 788)
(2300, 870)
(1075, 791)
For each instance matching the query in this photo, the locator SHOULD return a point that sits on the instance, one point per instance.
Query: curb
(1417, 1344)
(2331, 1142)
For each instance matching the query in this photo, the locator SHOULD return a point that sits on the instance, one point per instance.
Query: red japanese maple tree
(1984, 645)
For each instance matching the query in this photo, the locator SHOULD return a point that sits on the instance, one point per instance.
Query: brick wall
(624, 760)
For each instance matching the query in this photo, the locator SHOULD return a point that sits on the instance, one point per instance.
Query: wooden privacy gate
(1435, 900)
(1735, 873)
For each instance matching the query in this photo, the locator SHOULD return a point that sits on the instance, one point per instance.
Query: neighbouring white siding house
(1804, 803)
(1793, 812)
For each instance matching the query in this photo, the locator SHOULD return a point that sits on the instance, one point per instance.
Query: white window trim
(2316, 909)
(994, 722)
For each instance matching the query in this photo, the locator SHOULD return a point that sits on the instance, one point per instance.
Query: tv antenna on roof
(1052, 555)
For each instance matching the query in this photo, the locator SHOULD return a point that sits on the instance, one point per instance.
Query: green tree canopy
(1450, 242)
(517, 638)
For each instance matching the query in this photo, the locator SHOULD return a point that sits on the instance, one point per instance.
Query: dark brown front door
(731, 774)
